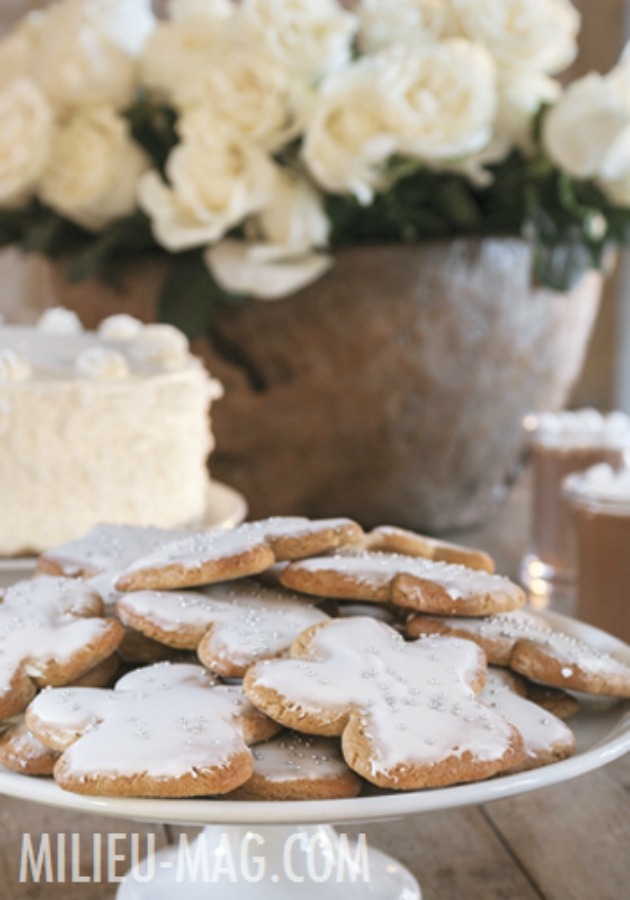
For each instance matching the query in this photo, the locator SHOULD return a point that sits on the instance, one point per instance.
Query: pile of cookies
(284, 659)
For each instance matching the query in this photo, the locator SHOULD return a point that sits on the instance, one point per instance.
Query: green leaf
(153, 127)
(189, 295)
(123, 239)
(42, 235)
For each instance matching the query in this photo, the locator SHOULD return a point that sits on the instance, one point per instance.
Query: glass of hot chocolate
(600, 501)
(562, 443)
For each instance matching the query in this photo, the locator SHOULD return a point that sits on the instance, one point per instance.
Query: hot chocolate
(600, 501)
(562, 443)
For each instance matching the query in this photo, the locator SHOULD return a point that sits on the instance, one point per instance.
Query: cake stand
(255, 850)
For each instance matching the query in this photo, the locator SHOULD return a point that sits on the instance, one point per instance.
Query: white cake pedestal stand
(256, 851)
(260, 863)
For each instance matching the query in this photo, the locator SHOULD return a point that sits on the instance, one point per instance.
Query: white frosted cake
(99, 427)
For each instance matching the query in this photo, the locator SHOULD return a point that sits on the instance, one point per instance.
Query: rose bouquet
(247, 141)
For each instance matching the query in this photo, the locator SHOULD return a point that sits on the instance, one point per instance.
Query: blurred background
(605, 382)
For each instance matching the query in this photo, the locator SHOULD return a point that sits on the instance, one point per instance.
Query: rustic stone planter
(393, 389)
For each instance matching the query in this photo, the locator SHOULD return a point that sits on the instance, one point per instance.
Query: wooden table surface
(568, 842)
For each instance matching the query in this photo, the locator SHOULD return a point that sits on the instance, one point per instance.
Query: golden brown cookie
(230, 625)
(421, 584)
(294, 766)
(164, 731)
(390, 539)
(533, 647)
(21, 752)
(496, 635)
(407, 713)
(51, 633)
(228, 554)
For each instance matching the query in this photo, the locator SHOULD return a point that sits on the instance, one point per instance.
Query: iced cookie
(496, 635)
(407, 713)
(21, 752)
(530, 645)
(294, 766)
(224, 555)
(546, 738)
(414, 583)
(164, 731)
(231, 625)
(104, 548)
(389, 539)
(51, 633)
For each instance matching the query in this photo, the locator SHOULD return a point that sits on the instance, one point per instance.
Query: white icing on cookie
(25, 748)
(42, 620)
(376, 570)
(507, 627)
(13, 366)
(120, 328)
(109, 548)
(292, 756)
(415, 700)
(165, 720)
(541, 730)
(193, 551)
(512, 627)
(60, 321)
(102, 364)
(248, 621)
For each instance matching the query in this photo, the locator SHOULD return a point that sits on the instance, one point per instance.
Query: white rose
(215, 182)
(309, 37)
(519, 100)
(237, 267)
(280, 256)
(177, 54)
(181, 10)
(16, 50)
(127, 23)
(94, 170)
(386, 22)
(294, 220)
(587, 133)
(520, 97)
(248, 92)
(538, 35)
(348, 139)
(441, 98)
(76, 63)
(26, 123)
